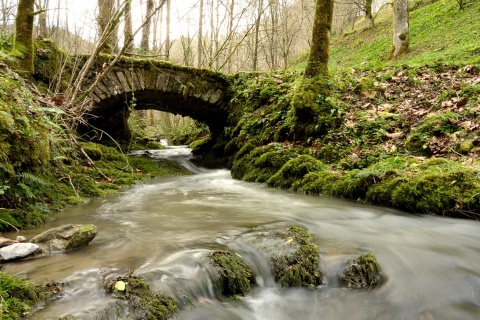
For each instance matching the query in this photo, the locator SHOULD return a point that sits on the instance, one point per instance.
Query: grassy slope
(402, 134)
(439, 33)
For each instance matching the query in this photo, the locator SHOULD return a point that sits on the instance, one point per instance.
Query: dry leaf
(394, 135)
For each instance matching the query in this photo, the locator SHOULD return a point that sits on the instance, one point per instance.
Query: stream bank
(399, 137)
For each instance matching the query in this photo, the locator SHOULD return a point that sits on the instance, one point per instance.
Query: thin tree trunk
(230, 34)
(128, 28)
(167, 35)
(368, 12)
(200, 36)
(400, 43)
(144, 44)
(42, 19)
(257, 33)
(106, 9)
(23, 41)
(317, 64)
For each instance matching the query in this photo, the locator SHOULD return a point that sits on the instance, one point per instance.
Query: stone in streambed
(66, 237)
(362, 272)
(6, 242)
(17, 251)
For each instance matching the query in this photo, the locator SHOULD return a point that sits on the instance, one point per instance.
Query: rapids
(161, 229)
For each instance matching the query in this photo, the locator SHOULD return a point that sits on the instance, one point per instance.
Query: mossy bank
(399, 137)
(44, 166)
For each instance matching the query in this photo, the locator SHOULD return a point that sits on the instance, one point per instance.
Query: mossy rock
(94, 153)
(292, 254)
(295, 169)
(18, 297)
(234, 276)
(143, 302)
(362, 272)
(301, 267)
(262, 162)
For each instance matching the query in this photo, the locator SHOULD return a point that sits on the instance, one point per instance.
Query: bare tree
(144, 44)
(128, 28)
(256, 41)
(400, 43)
(200, 36)
(42, 18)
(106, 10)
(167, 32)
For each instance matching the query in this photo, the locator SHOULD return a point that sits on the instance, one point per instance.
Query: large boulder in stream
(66, 237)
(233, 276)
(293, 255)
(141, 301)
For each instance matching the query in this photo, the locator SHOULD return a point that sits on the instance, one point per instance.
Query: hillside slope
(439, 33)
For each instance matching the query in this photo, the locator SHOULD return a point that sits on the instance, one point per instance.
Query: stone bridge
(143, 84)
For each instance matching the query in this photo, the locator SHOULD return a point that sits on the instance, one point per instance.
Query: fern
(28, 192)
(30, 179)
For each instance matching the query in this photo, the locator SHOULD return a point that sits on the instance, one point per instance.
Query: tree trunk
(24, 34)
(128, 28)
(144, 44)
(401, 39)
(257, 34)
(42, 19)
(368, 12)
(230, 35)
(106, 9)
(200, 36)
(318, 60)
(167, 35)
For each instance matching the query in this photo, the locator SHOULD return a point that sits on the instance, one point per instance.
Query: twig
(71, 184)
(8, 223)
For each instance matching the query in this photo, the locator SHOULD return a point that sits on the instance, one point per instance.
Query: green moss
(262, 162)
(18, 297)
(295, 169)
(143, 302)
(362, 272)
(52, 64)
(235, 277)
(300, 267)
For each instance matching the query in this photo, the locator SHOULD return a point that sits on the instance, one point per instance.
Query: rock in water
(362, 272)
(6, 242)
(66, 237)
(18, 251)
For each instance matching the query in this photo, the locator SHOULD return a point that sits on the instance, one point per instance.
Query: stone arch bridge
(143, 84)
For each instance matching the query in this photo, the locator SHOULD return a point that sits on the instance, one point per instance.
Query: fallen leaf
(120, 285)
(394, 135)
(290, 240)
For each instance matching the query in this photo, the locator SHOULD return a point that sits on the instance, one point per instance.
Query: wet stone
(18, 251)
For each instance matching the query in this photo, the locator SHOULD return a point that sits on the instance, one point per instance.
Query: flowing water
(160, 230)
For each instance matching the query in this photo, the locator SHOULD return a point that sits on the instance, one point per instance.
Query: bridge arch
(156, 85)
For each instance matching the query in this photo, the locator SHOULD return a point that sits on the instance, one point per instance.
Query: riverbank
(45, 166)
(399, 137)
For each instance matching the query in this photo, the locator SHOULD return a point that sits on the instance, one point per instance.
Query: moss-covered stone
(142, 301)
(235, 277)
(362, 272)
(295, 169)
(300, 265)
(18, 297)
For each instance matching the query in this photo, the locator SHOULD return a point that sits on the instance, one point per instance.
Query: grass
(439, 33)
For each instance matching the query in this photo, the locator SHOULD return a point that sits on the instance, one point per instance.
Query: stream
(161, 229)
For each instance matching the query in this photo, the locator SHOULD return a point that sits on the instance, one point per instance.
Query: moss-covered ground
(42, 165)
(142, 302)
(18, 297)
(404, 137)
